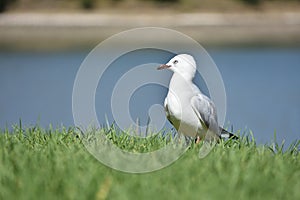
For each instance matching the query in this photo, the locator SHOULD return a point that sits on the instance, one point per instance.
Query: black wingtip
(226, 134)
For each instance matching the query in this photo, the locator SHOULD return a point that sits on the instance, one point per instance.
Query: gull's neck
(180, 83)
(182, 77)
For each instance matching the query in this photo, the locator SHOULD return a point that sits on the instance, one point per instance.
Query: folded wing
(206, 112)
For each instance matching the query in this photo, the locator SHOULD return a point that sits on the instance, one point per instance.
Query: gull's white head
(182, 64)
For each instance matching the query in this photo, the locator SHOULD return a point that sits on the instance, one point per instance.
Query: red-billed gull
(192, 113)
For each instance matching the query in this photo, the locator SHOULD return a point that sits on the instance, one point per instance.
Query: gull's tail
(226, 134)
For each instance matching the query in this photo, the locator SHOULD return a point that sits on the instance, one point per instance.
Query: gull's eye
(175, 61)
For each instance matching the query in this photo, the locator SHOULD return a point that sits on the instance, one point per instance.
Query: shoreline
(71, 30)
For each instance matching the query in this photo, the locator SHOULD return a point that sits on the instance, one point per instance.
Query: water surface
(262, 87)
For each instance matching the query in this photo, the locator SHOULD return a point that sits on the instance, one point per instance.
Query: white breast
(182, 117)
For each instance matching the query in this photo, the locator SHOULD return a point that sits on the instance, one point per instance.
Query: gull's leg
(197, 140)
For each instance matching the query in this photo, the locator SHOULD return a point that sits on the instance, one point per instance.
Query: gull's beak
(164, 66)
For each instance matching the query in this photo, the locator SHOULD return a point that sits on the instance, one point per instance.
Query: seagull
(190, 112)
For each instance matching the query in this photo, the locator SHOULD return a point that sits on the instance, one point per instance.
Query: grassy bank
(48, 164)
(149, 5)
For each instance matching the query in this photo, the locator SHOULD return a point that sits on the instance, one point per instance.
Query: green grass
(53, 164)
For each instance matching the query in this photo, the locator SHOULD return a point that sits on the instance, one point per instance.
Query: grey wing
(206, 112)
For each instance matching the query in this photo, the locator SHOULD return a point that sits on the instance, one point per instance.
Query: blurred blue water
(262, 86)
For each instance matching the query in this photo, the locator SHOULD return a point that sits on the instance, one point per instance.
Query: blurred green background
(255, 44)
(83, 23)
(178, 5)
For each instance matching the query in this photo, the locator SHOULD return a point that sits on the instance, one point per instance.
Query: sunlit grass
(37, 163)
